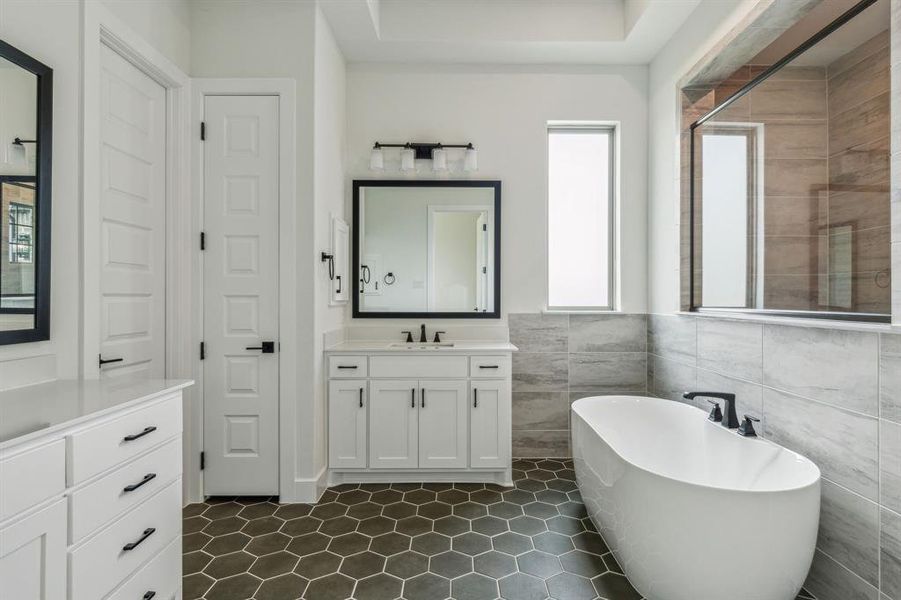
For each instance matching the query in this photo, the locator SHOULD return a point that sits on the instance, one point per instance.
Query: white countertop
(461, 347)
(36, 410)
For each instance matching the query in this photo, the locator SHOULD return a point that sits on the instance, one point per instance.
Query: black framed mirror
(26, 114)
(426, 249)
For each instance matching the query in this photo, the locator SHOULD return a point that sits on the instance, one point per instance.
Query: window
(581, 169)
(21, 233)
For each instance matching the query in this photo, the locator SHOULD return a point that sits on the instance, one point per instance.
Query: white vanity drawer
(489, 367)
(405, 367)
(105, 499)
(31, 477)
(161, 575)
(101, 563)
(95, 450)
(347, 366)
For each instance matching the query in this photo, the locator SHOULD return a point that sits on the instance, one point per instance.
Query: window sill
(796, 321)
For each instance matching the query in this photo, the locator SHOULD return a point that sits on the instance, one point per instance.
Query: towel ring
(389, 278)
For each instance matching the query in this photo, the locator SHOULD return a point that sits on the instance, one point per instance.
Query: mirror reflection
(18, 196)
(426, 249)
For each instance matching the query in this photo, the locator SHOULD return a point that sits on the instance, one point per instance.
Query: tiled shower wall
(563, 358)
(831, 394)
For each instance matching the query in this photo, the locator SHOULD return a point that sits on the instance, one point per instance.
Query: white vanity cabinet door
(347, 401)
(489, 422)
(443, 424)
(393, 424)
(33, 556)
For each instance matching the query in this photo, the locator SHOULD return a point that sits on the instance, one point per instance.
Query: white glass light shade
(15, 155)
(376, 160)
(471, 160)
(439, 159)
(407, 160)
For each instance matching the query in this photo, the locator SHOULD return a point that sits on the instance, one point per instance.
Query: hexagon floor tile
(407, 541)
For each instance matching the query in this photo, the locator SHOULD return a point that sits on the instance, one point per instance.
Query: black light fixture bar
(20, 141)
(422, 150)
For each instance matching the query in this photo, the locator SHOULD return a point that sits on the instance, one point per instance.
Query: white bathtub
(691, 510)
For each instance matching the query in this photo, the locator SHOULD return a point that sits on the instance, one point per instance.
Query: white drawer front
(161, 575)
(489, 367)
(103, 500)
(395, 366)
(102, 563)
(31, 477)
(99, 448)
(347, 366)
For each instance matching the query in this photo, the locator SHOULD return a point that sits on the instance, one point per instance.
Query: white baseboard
(307, 491)
(504, 477)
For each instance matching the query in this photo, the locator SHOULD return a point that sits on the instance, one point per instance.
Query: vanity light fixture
(413, 151)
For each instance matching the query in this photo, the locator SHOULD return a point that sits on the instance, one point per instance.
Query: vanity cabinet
(33, 555)
(430, 415)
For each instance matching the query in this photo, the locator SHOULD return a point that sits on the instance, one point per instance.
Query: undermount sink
(423, 345)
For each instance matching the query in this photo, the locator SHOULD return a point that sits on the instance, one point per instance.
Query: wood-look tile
(536, 332)
(838, 367)
(890, 464)
(608, 371)
(831, 581)
(731, 347)
(673, 337)
(540, 410)
(776, 99)
(791, 292)
(877, 43)
(541, 443)
(890, 376)
(795, 177)
(864, 123)
(802, 216)
(608, 333)
(534, 372)
(670, 379)
(802, 139)
(866, 80)
(872, 249)
(748, 396)
(849, 531)
(891, 554)
(865, 167)
(794, 255)
(865, 209)
(843, 444)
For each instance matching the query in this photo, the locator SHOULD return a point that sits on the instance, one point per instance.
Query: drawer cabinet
(30, 477)
(33, 556)
(347, 366)
(347, 402)
(162, 576)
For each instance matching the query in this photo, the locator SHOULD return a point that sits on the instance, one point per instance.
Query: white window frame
(613, 129)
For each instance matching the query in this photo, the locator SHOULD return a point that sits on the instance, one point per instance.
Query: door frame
(288, 329)
(101, 27)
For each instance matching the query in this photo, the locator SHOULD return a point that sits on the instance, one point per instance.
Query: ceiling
(575, 32)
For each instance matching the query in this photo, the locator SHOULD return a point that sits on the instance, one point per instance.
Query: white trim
(285, 89)
(484, 210)
(503, 477)
(309, 491)
(101, 27)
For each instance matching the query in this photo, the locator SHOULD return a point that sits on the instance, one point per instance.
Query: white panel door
(347, 404)
(132, 240)
(393, 424)
(240, 291)
(33, 556)
(443, 424)
(489, 424)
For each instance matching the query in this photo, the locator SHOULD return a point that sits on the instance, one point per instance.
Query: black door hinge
(484, 227)
(202, 131)
(202, 350)
(202, 240)
(202, 461)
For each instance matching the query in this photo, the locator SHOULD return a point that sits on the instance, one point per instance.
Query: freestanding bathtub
(691, 510)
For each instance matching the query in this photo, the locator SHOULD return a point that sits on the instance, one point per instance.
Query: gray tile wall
(565, 357)
(833, 395)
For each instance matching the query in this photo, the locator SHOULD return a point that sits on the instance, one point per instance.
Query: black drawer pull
(347, 366)
(361, 397)
(413, 398)
(489, 367)
(135, 436)
(475, 397)
(148, 595)
(132, 545)
(147, 478)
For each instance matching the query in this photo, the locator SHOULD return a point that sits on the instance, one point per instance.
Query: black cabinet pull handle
(135, 436)
(422, 397)
(347, 366)
(488, 366)
(361, 397)
(475, 397)
(102, 362)
(413, 398)
(148, 595)
(132, 545)
(338, 277)
(147, 478)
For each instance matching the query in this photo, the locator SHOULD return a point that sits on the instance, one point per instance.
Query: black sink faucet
(422, 338)
(730, 418)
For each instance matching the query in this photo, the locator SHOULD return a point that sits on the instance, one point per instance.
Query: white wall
(504, 112)
(707, 24)
(164, 24)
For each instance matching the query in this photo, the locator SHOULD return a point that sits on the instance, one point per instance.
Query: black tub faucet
(729, 418)
(422, 338)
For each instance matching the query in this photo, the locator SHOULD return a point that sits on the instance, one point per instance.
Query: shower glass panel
(790, 181)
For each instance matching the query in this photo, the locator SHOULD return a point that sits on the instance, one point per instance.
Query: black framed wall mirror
(26, 108)
(427, 249)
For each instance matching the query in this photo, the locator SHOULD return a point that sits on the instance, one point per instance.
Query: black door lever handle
(266, 347)
(102, 362)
